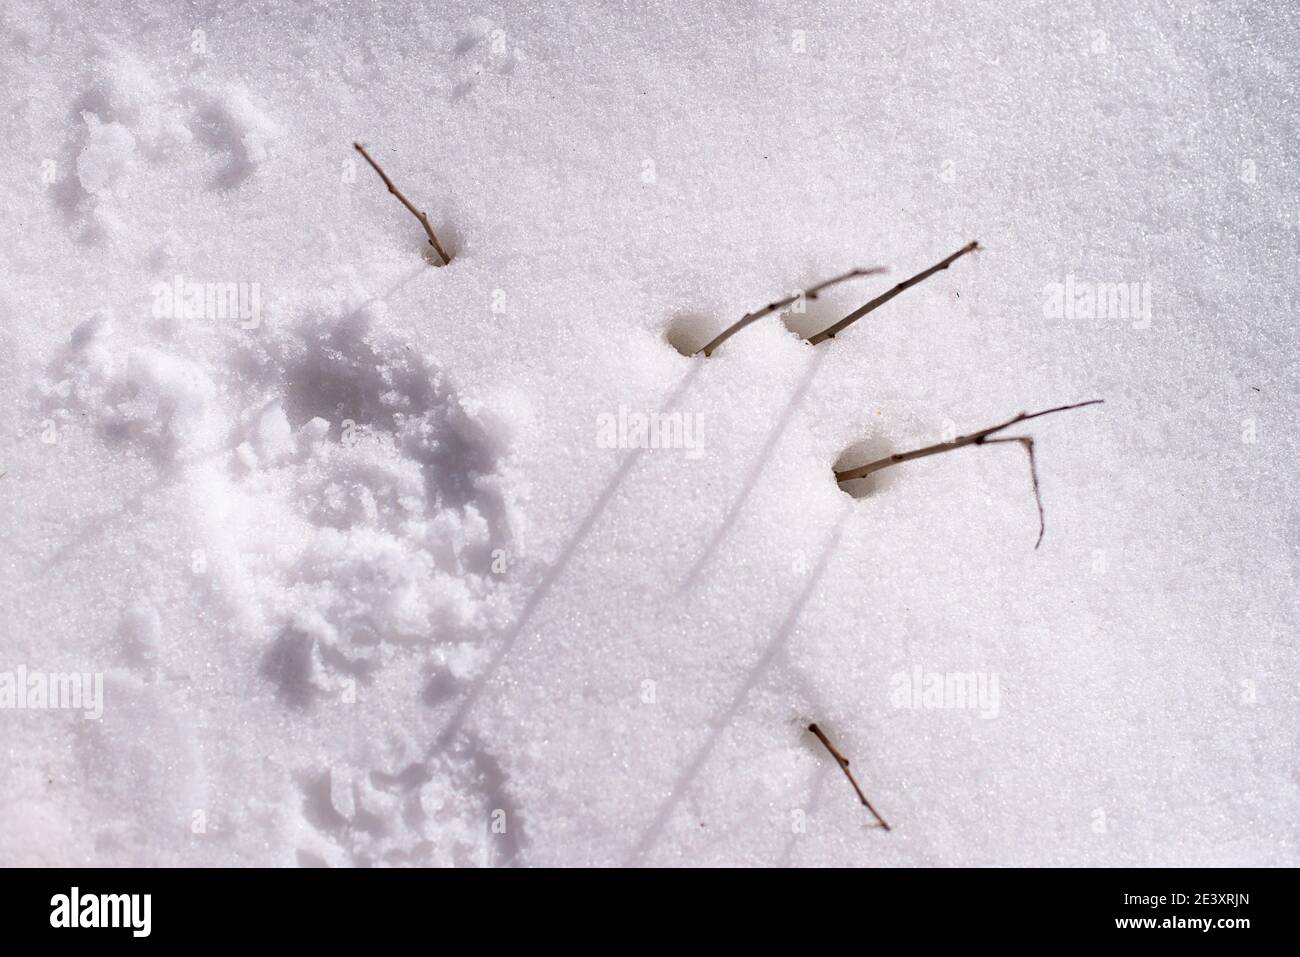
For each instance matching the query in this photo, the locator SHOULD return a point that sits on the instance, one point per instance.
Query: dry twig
(843, 762)
(772, 307)
(417, 213)
(982, 437)
(832, 331)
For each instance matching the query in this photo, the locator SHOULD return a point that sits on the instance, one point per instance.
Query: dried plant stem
(772, 307)
(832, 331)
(843, 762)
(982, 437)
(417, 213)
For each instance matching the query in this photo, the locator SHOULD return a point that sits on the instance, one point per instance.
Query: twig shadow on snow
(719, 725)
(747, 487)
(538, 595)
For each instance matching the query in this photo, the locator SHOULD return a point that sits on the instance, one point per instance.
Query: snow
(378, 567)
(107, 151)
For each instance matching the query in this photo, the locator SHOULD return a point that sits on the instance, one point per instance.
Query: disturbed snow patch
(124, 113)
(360, 512)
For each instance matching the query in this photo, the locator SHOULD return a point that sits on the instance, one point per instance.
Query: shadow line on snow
(733, 511)
(720, 724)
(538, 595)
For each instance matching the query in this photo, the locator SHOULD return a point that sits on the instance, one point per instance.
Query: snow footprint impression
(389, 588)
(359, 515)
(350, 512)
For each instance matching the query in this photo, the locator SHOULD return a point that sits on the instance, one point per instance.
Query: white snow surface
(365, 584)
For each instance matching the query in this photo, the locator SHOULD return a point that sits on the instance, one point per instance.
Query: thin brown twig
(982, 437)
(772, 307)
(830, 332)
(417, 213)
(843, 762)
(1027, 441)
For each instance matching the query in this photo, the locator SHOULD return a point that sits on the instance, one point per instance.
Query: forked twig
(982, 437)
(843, 762)
(772, 307)
(831, 332)
(417, 213)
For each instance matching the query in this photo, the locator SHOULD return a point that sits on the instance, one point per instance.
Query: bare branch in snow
(418, 214)
(1028, 443)
(832, 331)
(982, 437)
(843, 762)
(772, 307)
